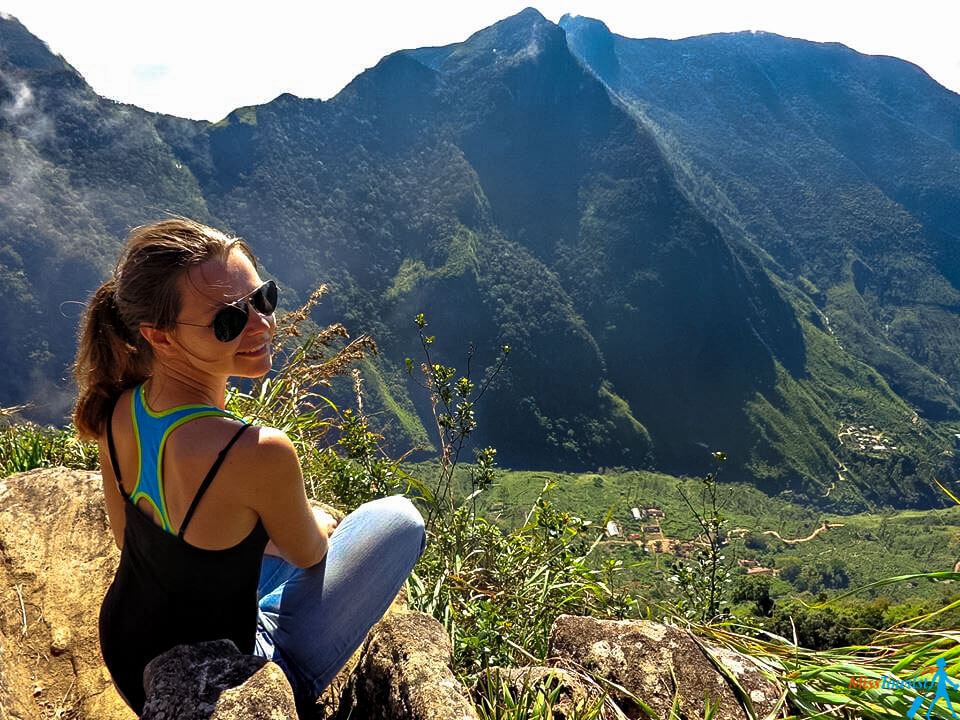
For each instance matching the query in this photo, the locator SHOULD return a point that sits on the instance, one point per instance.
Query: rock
(764, 694)
(654, 662)
(328, 703)
(60, 639)
(404, 673)
(57, 559)
(267, 694)
(214, 680)
(15, 687)
(56, 549)
(574, 691)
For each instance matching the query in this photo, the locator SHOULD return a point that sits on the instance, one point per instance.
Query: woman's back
(167, 590)
(224, 515)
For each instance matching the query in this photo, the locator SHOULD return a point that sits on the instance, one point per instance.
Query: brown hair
(112, 355)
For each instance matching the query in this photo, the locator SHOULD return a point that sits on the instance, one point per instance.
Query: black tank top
(167, 592)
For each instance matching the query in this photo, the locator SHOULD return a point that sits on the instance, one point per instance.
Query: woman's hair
(112, 355)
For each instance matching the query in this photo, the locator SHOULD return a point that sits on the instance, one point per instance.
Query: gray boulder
(404, 672)
(656, 663)
(213, 680)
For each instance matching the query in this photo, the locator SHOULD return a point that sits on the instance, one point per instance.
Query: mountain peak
(592, 40)
(582, 23)
(20, 47)
(516, 37)
(528, 14)
(520, 27)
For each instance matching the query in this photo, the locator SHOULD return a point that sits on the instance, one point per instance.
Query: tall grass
(26, 445)
(818, 683)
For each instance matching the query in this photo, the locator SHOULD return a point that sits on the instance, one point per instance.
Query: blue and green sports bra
(151, 430)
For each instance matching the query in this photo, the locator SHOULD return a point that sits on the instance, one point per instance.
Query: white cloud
(24, 116)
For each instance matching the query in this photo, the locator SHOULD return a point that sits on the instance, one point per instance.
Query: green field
(868, 547)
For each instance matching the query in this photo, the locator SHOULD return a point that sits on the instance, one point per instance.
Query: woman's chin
(254, 365)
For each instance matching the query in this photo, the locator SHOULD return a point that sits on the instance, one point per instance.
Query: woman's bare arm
(278, 496)
(325, 521)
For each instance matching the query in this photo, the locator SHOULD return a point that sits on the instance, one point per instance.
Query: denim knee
(407, 522)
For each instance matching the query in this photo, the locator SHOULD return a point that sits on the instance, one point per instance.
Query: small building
(613, 529)
(636, 513)
(651, 529)
(760, 571)
(654, 512)
(748, 563)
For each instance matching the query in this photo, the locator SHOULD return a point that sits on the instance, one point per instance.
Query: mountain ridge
(661, 296)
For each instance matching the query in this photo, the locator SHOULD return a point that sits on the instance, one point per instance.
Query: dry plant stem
(61, 706)
(12, 410)
(522, 651)
(358, 393)
(23, 611)
(288, 326)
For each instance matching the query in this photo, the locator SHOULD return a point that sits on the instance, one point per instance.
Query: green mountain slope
(519, 188)
(76, 172)
(843, 168)
(840, 171)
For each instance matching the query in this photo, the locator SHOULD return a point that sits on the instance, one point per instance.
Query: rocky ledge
(58, 558)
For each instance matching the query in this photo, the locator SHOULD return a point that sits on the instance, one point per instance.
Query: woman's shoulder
(256, 448)
(264, 444)
(116, 421)
(266, 460)
(261, 448)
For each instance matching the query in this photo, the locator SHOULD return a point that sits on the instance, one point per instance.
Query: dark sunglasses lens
(230, 322)
(265, 298)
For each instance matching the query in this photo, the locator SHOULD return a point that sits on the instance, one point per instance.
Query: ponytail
(111, 357)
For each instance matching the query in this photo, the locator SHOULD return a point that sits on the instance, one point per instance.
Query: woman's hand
(325, 521)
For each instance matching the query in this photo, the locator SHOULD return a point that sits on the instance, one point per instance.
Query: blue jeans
(311, 621)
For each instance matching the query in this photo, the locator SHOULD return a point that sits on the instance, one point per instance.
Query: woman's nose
(257, 321)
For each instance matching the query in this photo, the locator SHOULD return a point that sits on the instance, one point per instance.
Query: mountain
(842, 172)
(76, 172)
(682, 258)
(843, 169)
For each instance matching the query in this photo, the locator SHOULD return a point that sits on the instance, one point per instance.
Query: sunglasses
(230, 321)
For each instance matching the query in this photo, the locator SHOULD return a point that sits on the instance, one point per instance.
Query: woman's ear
(159, 340)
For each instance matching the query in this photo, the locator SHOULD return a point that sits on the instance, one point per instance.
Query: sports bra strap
(113, 449)
(207, 480)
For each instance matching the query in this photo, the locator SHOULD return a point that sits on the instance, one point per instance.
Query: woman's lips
(256, 351)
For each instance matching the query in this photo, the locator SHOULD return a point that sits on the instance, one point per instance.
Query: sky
(203, 58)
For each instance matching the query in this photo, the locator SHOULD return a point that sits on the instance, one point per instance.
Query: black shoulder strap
(113, 449)
(207, 480)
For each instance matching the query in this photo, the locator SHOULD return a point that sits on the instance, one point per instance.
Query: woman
(216, 534)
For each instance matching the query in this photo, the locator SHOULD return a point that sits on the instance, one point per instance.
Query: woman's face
(205, 290)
